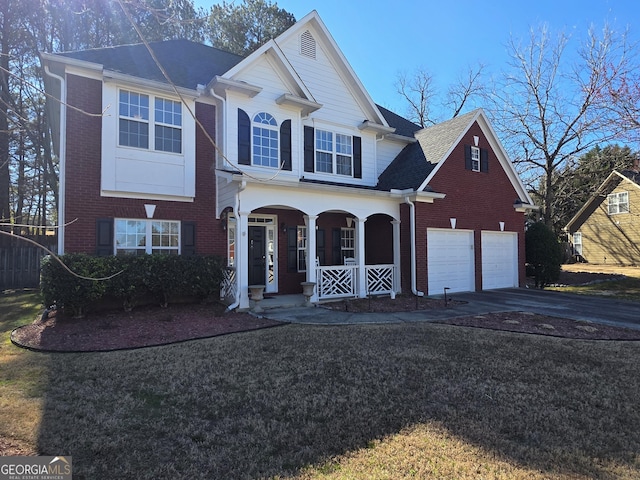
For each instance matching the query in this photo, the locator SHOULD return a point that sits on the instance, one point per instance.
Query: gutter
(62, 157)
(412, 223)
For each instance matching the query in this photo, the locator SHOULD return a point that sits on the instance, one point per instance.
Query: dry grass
(350, 402)
(624, 289)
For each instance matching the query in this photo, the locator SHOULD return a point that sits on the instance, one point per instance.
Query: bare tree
(426, 106)
(550, 105)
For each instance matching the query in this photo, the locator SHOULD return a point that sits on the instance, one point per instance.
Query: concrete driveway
(577, 307)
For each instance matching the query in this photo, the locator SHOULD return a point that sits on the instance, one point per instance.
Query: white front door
(499, 260)
(450, 261)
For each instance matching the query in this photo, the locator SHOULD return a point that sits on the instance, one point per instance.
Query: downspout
(235, 304)
(412, 223)
(62, 154)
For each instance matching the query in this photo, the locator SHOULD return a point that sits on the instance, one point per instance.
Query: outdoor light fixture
(283, 227)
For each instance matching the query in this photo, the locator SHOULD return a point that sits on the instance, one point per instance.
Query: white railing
(336, 281)
(340, 281)
(380, 279)
(228, 288)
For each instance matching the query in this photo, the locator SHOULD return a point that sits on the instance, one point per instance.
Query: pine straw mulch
(153, 326)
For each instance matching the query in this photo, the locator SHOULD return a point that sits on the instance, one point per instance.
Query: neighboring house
(300, 147)
(606, 230)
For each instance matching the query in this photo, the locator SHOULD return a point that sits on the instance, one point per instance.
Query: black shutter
(467, 157)
(188, 240)
(308, 149)
(357, 157)
(336, 246)
(104, 237)
(320, 246)
(484, 160)
(244, 138)
(285, 145)
(292, 249)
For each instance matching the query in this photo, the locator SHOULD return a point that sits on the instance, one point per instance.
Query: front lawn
(626, 288)
(349, 402)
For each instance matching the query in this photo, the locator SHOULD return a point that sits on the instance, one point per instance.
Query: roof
(187, 63)
(416, 161)
(610, 183)
(402, 125)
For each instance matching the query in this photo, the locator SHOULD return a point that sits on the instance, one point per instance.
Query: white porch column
(242, 259)
(396, 256)
(310, 222)
(362, 274)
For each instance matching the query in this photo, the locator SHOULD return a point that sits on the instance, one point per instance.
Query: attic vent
(308, 45)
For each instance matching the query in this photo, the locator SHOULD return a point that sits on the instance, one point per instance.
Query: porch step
(279, 301)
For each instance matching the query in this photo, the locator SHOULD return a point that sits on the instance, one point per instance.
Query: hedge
(163, 277)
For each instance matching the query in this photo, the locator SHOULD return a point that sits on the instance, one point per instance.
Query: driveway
(577, 307)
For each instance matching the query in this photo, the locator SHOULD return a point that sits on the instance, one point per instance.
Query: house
(282, 163)
(606, 230)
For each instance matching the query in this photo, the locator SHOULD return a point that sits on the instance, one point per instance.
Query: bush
(543, 254)
(163, 277)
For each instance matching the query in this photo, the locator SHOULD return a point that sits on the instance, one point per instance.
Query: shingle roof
(416, 161)
(401, 124)
(187, 63)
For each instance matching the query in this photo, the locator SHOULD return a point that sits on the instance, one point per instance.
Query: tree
(419, 91)
(543, 253)
(550, 105)
(243, 28)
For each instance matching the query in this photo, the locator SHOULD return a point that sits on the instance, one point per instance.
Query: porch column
(396, 256)
(310, 222)
(360, 254)
(242, 259)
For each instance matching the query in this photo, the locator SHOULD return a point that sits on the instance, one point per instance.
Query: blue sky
(382, 38)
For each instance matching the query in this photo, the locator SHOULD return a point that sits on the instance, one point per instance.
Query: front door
(257, 256)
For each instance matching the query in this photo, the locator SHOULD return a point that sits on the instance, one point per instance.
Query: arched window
(265, 140)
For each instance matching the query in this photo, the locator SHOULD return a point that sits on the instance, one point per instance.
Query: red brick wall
(478, 201)
(83, 163)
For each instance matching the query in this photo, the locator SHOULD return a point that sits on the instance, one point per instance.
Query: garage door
(450, 261)
(499, 260)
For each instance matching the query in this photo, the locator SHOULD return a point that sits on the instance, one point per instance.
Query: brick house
(606, 230)
(244, 157)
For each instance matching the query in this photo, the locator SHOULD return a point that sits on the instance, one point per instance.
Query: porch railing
(228, 288)
(340, 281)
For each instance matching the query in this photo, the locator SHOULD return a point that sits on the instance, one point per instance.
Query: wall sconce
(283, 227)
(149, 210)
(349, 222)
(501, 226)
(453, 223)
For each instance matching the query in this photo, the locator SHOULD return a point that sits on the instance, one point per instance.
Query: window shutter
(320, 246)
(285, 145)
(244, 138)
(188, 238)
(104, 237)
(467, 157)
(308, 149)
(357, 157)
(336, 246)
(484, 160)
(292, 249)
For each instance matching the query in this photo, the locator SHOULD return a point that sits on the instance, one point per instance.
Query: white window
(136, 118)
(475, 159)
(302, 248)
(348, 242)
(577, 243)
(618, 203)
(334, 153)
(138, 237)
(265, 140)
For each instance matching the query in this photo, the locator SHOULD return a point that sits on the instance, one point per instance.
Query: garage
(499, 260)
(450, 260)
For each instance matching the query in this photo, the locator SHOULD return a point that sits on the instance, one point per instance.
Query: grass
(301, 402)
(627, 288)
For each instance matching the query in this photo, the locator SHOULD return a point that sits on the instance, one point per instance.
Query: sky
(382, 38)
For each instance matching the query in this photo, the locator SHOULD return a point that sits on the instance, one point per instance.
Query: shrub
(161, 276)
(543, 254)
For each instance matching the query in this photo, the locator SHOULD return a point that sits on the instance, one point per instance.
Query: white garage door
(450, 261)
(499, 260)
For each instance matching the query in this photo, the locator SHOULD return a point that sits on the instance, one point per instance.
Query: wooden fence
(20, 267)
